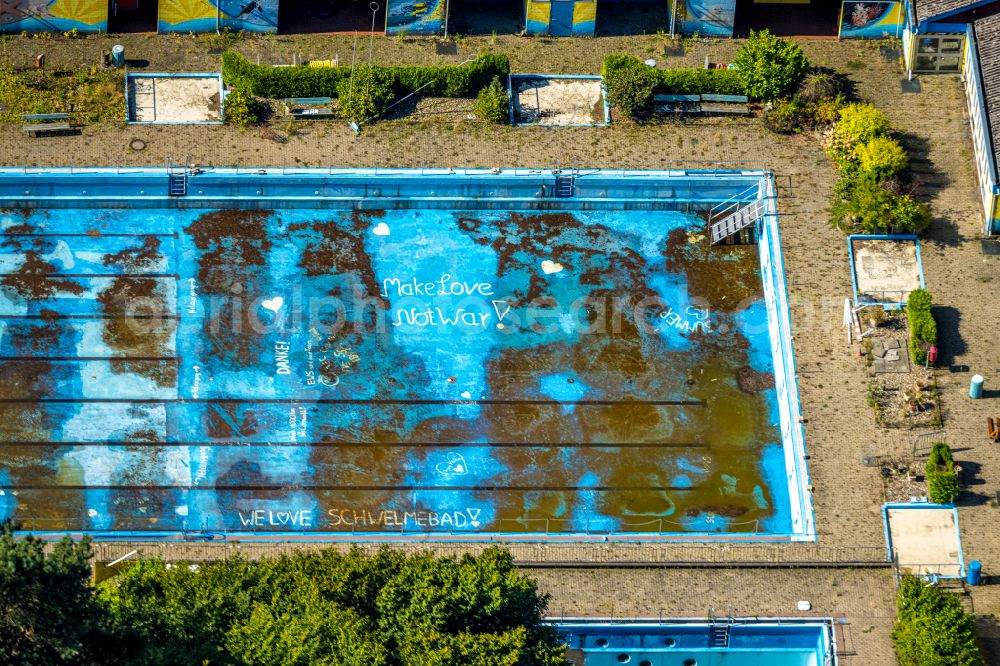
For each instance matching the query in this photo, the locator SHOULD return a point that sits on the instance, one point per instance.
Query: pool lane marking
(370, 445)
(300, 487)
(35, 359)
(60, 315)
(358, 401)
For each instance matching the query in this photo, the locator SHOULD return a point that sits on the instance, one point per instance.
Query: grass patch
(91, 94)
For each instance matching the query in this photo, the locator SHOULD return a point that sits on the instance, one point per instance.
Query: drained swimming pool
(764, 642)
(355, 355)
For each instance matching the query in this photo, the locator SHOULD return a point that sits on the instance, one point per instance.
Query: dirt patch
(727, 277)
(34, 281)
(136, 259)
(752, 381)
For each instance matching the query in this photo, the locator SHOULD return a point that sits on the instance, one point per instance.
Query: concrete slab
(558, 101)
(925, 540)
(886, 269)
(170, 99)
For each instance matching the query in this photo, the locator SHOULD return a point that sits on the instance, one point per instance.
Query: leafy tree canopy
(350, 609)
(770, 67)
(48, 614)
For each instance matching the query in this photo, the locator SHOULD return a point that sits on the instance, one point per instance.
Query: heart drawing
(381, 229)
(549, 267)
(273, 304)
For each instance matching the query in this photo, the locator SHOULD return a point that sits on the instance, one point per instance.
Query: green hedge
(923, 328)
(680, 81)
(304, 81)
(942, 481)
(932, 629)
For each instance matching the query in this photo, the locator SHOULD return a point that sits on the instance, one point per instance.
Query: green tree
(491, 102)
(329, 608)
(932, 628)
(630, 89)
(770, 67)
(48, 612)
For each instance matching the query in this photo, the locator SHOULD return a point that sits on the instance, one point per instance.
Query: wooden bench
(45, 123)
(738, 104)
(677, 103)
(309, 107)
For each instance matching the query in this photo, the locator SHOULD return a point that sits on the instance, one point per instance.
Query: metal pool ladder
(718, 636)
(565, 186)
(177, 184)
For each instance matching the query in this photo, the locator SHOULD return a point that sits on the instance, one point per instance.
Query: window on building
(939, 53)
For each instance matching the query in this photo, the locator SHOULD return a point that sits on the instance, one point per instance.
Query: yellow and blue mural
(560, 18)
(53, 15)
(714, 18)
(871, 20)
(418, 17)
(208, 15)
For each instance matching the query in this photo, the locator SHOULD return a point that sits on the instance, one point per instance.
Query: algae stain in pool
(585, 415)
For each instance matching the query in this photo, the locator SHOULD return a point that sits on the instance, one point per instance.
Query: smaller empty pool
(768, 642)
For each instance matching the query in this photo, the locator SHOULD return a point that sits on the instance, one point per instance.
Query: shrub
(942, 481)
(367, 96)
(826, 111)
(630, 90)
(862, 122)
(240, 109)
(909, 215)
(305, 81)
(862, 205)
(880, 158)
(687, 81)
(818, 86)
(923, 328)
(943, 487)
(858, 123)
(784, 116)
(932, 629)
(770, 67)
(491, 102)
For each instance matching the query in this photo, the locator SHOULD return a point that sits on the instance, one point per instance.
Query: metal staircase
(177, 184)
(737, 220)
(718, 636)
(565, 186)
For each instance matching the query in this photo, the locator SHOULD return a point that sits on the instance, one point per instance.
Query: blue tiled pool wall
(758, 643)
(789, 407)
(688, 193)
(373, 188)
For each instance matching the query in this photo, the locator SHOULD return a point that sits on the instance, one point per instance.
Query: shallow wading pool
(342, 355)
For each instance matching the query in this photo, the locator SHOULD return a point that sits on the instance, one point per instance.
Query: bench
(677, 103)
(738, 104)
(45, 123)
(309, 107)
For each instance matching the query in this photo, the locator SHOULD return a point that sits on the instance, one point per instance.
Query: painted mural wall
(415, 17)
(561, 18)
(714, 18)
(207, 15)
(871, 20)
(53, 16)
